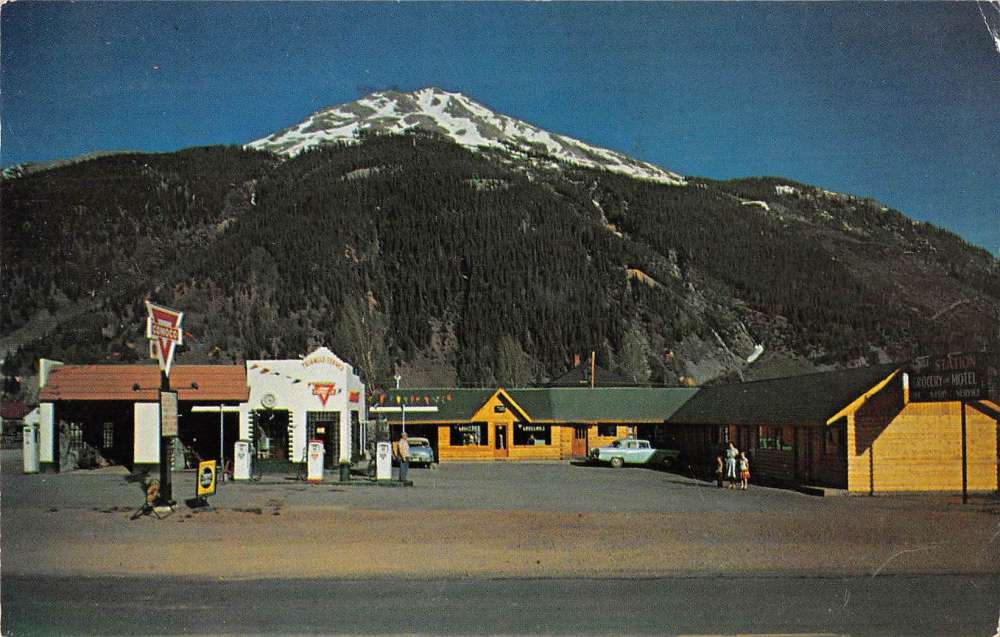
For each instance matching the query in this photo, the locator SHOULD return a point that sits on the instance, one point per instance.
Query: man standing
(403, 449)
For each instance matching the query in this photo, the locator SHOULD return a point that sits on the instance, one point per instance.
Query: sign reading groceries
(163, 328)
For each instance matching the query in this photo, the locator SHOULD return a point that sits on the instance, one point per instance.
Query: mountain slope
(445, 253)
(456, 117)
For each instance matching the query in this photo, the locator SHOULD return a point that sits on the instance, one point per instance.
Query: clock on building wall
(268, 400)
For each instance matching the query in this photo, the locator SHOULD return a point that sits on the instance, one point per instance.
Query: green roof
(811, 399)
(621, 404)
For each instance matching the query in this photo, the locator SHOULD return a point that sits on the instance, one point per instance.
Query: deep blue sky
(896, 101)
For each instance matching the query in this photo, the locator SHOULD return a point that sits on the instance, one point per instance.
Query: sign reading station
(954, 377)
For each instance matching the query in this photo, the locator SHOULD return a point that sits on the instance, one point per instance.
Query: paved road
(934, 605)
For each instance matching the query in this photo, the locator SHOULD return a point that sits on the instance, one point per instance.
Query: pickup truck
(632, 451)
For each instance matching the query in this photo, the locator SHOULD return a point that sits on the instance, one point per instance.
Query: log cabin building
(853, 430)
(525, 424)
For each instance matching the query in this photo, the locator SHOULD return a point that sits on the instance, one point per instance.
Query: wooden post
(965, 461)
(166, 489)
(871, 467)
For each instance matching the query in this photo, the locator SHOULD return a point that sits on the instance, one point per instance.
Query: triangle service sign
(163, 328)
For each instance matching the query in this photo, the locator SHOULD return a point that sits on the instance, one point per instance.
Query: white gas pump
(383, 461)
(241, 460)
(31, 448)
(314, 459)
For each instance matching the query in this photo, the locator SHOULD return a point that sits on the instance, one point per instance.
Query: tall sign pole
(163, 329)
(965, 461)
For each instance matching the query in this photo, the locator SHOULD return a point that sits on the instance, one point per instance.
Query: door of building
(580, 441)
(325, 426)
(500, 442)
(804, 454)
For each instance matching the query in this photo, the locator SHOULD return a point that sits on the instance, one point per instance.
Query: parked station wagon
(632, 451)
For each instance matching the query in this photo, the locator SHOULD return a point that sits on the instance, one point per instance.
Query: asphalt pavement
(922, 605)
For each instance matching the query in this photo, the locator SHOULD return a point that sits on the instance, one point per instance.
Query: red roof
(193, 383)
(13, 410)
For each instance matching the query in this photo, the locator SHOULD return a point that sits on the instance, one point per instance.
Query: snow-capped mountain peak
(458, 117)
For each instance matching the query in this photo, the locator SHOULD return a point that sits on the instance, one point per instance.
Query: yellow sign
(205, 480)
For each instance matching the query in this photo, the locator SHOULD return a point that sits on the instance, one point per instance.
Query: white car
(632, 451)
(421, 451)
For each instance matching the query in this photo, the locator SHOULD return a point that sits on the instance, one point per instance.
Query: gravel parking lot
(490, 519)
(549, 486)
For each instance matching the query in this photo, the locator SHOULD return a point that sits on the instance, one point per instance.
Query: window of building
(468, 435)
(108, 440)
(271, 434)
(607, 430)
(773, 438)
(835, 439)
(530, 435)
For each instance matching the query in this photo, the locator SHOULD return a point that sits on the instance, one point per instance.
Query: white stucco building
(114, 410)
(293, 401)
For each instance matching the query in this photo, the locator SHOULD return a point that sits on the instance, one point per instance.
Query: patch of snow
(454, 115)
(782, 189)
(755, 354)
(762, 204)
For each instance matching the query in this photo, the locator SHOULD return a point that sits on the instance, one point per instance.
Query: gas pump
(314, 459)
(31, 448)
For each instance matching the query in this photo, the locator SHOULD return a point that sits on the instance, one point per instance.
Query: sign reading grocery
(964, 376)
(163, 328)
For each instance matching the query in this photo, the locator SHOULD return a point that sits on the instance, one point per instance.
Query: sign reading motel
(955, 377)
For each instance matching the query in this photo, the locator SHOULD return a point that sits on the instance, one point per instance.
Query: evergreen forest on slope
(412, 253)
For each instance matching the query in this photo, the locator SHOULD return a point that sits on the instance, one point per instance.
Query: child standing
(744, 471)
(718, 470)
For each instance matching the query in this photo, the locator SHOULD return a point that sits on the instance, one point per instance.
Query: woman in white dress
(731, 453)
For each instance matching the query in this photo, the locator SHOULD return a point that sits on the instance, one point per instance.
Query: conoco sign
(163, 328)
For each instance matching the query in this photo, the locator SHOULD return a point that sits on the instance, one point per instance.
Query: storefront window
(530, 435)
(468, 435)
(271, 434)
(607, 430)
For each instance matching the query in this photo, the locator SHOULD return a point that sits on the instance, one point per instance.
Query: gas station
(151, 418)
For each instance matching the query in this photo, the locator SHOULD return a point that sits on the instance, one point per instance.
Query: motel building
(111, 413)
(556, 423)
(855, 430)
